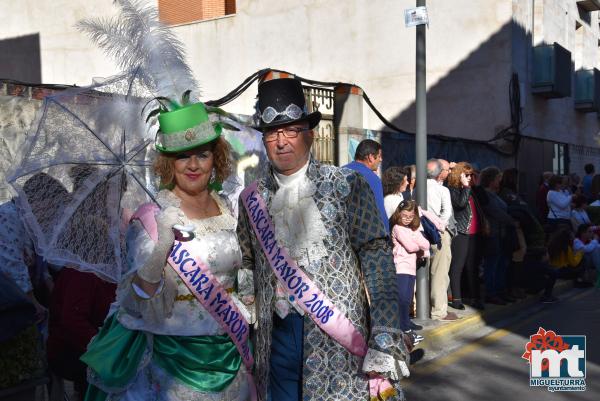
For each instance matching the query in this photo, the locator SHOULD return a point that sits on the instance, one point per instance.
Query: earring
(213, 176)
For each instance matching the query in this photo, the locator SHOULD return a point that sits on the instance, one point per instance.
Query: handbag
(430, 232)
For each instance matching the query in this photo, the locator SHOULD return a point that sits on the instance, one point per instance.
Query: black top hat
(281, 102)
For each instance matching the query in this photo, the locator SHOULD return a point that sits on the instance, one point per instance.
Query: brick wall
(183, 11)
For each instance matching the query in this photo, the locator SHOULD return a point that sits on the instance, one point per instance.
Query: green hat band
(184, 129)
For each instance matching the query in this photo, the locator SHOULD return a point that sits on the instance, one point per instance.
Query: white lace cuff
(384, 364)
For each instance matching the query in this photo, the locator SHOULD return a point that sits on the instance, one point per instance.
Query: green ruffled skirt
(205, 363)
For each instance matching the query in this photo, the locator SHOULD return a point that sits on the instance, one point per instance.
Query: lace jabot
(298, 226)
(297, 220)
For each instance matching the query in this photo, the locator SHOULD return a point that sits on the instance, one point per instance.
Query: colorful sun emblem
(190, 135)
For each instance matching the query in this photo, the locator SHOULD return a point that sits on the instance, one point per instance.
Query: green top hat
(185, 128)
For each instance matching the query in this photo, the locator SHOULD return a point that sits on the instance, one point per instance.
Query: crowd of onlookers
(485, 243)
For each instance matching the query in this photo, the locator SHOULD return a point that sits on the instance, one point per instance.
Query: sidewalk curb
(437, 337)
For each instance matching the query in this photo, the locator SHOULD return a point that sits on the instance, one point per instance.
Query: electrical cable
(514, 101)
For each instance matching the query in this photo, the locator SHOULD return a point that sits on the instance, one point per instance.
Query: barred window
(173, 12)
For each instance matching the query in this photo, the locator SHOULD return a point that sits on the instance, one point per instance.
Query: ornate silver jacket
(359, 257)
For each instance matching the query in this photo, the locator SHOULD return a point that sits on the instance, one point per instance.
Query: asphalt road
(491, 368)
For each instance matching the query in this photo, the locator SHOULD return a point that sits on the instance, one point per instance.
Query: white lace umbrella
(85, 167)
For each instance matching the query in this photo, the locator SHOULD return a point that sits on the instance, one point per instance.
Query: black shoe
(414, 326)
(548, 299)
(456, 305)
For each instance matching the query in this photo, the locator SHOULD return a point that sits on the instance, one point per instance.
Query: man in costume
(315, 239)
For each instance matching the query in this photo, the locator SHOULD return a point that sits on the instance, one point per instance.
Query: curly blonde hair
(164, 165)
(454, 176)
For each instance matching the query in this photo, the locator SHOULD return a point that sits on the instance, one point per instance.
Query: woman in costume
(162, 343)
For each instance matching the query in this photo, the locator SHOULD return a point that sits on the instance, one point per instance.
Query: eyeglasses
(289, 132)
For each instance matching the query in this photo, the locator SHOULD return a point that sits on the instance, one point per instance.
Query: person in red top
(78, 306)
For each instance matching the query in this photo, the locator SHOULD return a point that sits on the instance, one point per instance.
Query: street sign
(415, 16)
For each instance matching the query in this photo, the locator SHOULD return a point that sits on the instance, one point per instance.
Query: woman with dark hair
(570, 255)
(394, 184)
(495, 256)
(515, 242)
(467, 226)
(579, 214)
(411, 176)
(509, 184)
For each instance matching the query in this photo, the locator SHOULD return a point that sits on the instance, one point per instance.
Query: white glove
(152, 270)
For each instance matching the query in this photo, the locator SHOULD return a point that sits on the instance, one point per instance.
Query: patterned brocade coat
(359, 255)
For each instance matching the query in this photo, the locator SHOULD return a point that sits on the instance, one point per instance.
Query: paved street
(491, 368)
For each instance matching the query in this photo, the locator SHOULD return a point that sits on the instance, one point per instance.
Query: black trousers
(460, 254)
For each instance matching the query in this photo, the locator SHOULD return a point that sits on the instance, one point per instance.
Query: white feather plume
(137, 39)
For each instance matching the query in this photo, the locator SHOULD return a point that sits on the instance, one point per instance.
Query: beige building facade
(474, 49)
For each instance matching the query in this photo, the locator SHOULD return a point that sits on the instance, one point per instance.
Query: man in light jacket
(439, 203)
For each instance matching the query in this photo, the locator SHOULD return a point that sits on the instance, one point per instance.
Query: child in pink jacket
(409, 245)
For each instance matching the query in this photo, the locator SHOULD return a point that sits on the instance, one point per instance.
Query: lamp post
(421, 158)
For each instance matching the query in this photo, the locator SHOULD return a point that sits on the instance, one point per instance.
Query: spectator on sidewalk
(587, 181)
(586, 241)
(472, 286)
(573, 183)
(445, 171)
(495, 254)
(394, 183)
(515, 242)
(541, 196)
(465, 215)
(579, 214)
(409, 245)
(559, 203)
(595, 198)
(78, 307)
(366, 162)
(411, 176)
(439, 202)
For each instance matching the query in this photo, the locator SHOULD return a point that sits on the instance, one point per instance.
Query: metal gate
(324, 146)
